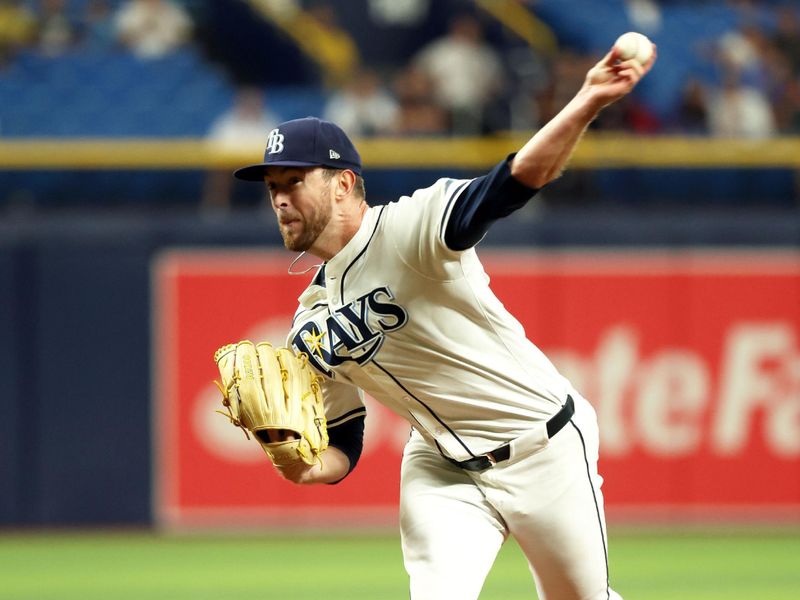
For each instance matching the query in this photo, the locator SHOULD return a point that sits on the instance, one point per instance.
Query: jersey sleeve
(417, 225)
(483, 201)
(436, 224)
(343, 402)
(348, 437)
(345, 413)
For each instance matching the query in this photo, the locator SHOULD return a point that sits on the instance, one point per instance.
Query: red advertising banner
(692, 360)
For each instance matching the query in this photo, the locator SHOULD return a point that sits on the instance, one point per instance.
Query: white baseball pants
(546, 495)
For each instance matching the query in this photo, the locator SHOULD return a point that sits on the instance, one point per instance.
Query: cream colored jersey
(416, 326)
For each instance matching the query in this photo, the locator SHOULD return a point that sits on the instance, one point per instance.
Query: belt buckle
(490, 457)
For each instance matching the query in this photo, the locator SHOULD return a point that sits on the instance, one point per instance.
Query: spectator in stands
(765, 65)
(787, 109)
(743, 50)
(567, 73)
(467, 73)
(57, 33)
(403, 13)
(418, 112)
(249, 119)
(691, 116)
(787, 36)
(629, 114)
(97, 32)
(738, 110)
(152, 28)
(363, 107)
(17, 29)
(645, 15)
(245, 125)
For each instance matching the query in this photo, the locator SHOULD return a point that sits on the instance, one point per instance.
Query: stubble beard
(311, 230)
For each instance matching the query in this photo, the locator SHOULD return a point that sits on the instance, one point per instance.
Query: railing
(594, 151)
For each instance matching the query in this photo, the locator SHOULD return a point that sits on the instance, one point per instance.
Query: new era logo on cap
(305, 142)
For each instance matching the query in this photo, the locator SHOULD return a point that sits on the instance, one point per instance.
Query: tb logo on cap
(275, 142)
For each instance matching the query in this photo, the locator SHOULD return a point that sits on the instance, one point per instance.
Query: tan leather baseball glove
(274, 394)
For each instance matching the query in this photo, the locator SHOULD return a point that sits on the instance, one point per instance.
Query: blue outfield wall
(634, 187)
(75, 330)
(10, 423)
(91, 340)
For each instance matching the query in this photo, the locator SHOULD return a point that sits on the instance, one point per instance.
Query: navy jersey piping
(319, 277)
(446, 213)
(597, 508)
(346, 416)
(359, 255)
(428, 408)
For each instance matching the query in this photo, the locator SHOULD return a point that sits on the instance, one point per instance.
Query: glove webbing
(226, 402)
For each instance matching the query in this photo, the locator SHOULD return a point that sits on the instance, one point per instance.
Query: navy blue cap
(307, 142)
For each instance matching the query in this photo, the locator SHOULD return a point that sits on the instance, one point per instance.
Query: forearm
(545, 155)
(332, 466)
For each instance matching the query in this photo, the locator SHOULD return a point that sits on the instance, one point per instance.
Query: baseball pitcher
(400, 307)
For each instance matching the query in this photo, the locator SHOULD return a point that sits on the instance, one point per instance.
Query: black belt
(483, 462)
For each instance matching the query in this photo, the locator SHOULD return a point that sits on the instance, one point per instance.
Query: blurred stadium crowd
(230, 69)
(407, 67)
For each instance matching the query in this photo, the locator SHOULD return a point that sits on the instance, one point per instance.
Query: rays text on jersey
(354, 332)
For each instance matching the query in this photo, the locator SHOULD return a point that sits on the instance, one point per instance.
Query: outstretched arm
(545, 155)
(510, 185)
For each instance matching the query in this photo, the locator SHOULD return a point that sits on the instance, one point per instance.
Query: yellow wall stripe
(594, 151)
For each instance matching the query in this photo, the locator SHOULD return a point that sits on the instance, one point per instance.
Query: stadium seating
(114, 94)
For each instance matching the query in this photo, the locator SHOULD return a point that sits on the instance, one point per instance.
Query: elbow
(541, 181)
(535, 178)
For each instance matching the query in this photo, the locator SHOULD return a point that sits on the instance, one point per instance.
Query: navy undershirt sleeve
(349, 438)
(485, 200)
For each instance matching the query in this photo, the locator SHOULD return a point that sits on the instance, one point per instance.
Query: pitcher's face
(300, 197)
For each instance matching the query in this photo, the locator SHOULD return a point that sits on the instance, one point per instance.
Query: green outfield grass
(727, 565)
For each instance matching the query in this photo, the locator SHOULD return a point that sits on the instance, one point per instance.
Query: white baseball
(633, 45)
